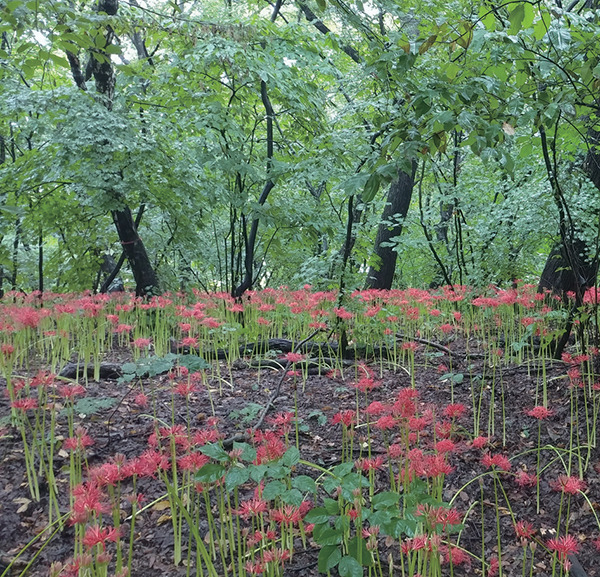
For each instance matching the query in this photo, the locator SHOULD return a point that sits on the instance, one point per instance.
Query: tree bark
(146, 280)
(381, 273)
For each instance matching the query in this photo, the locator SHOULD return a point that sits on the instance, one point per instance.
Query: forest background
(243, 144)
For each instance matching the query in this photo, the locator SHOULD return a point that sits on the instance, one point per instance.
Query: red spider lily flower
(480, 442)
(184, 389)
(352, 513)
(189, 342)
(410, 346)
(435, 466)
(499, 461)
(293, 357)
(524, 530)
(283, 421)
(525, 479)
(366, 384)
(372, 464)
(42, 379)
(141, 343)
(415, 543)
(346, 418)
(287, 514)
(456, 556)
(270, 448)
(205, 436)
(71, 391)
(564, 546)
(570, 485)
(443, 429)
(439, 515)
(446, 328)
(342, 313)
(417, 424)
(276, 556)
(376, 408)
(494, 567)
(192, 462)
(79, 442)
(396, 451)
(252, 508)
(7, 350)
(385, 423)
(88, 501)
(141, 400)
(111, 473)
(25, 404)
(257, 568)
(370, 531)
(96, 535)
(540, 412)
(445, 446)
(148, 463)
(455, 410)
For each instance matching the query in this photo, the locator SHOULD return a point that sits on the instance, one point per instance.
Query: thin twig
(272, 397)
(425, 342)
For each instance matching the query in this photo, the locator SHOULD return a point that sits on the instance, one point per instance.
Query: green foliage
(151, 366)
(92, 405)
(463, 93)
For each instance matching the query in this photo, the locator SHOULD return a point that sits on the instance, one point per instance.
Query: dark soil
(125, 428)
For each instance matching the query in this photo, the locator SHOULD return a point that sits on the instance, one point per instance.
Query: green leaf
(304, 483)
(215, 451)
(129, 368)
(385, 499)
(318, 516)
(292, 497)
(329, 557)
(541, 27)
(93, 405)
(321, 4)
(516, 17)
(291, 457)
(357, 548)
(210, 473)
(257, 472)
(248, 451)
(349, 567)
(331, 506)
(371, 188)
(273, 489)
(325, 535)
(192, 362)
(235, 477)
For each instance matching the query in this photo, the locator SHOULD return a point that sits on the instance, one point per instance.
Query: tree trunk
(567, 268)
(381, 273)
(146, 279)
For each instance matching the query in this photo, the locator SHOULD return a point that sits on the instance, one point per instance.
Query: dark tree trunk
(146, 280)
(568, 269)
(381, 273)
(558, 275)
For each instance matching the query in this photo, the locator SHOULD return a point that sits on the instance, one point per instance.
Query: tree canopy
(236, 145)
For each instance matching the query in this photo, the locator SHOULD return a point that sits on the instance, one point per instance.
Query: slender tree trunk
(146, 281)
(381, 273)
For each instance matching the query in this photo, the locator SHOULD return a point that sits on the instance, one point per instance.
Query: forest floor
(125, 427)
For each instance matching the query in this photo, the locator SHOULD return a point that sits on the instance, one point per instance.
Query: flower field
(381, 433)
